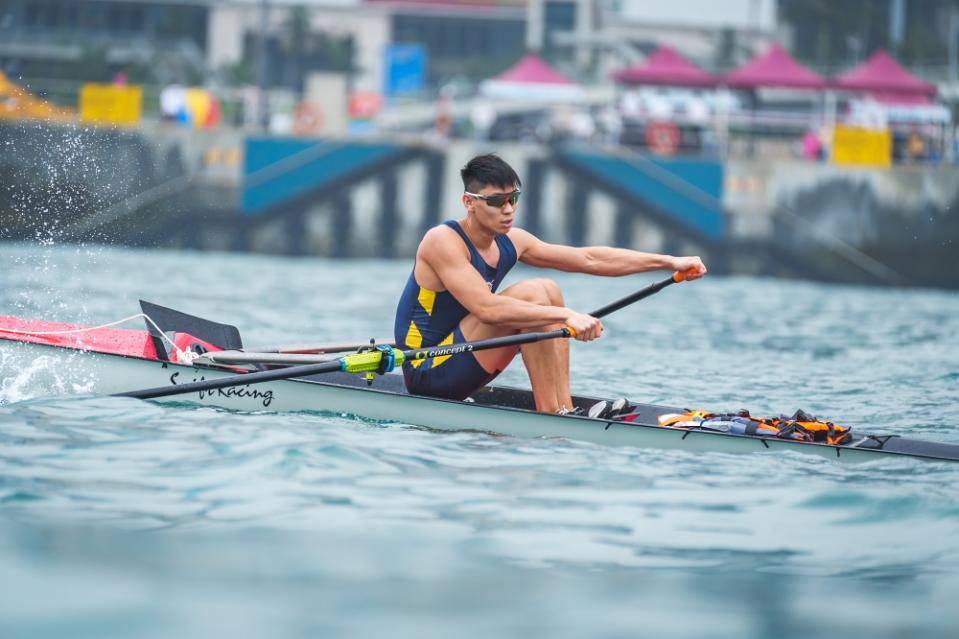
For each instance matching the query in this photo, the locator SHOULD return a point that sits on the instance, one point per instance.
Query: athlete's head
(489, 170)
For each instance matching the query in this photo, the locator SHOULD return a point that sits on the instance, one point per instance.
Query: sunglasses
(498, 200)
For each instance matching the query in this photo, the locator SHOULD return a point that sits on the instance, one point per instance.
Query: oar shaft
(229, 358)
(356, 363)
(638, 295)
(483, 344)
(313, 349)
(241, 379)
(370, 361)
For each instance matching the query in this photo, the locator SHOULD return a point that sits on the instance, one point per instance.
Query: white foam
(26, 377)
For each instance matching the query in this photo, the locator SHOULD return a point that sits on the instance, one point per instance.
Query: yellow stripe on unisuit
(414, 339)
(446, 342)
(426, 298)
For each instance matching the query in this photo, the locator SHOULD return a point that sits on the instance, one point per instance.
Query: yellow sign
(855, 146)
(111, 104)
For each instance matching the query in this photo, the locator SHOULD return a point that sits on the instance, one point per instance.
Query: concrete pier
(165, 186)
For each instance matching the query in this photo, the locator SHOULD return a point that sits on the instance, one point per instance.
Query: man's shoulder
(437, 241)
(439, 232)
(521, 238)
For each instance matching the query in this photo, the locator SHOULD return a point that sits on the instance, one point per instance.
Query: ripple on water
(168, 512)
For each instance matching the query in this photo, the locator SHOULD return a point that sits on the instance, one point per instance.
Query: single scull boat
(195, 360)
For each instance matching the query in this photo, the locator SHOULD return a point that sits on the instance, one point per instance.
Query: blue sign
(405, 69)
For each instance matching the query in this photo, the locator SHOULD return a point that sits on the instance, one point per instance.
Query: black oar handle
(638, 295)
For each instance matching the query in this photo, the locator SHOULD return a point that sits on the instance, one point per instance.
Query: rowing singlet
(428, 318)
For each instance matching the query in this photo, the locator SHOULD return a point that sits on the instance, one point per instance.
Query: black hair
(488, 170)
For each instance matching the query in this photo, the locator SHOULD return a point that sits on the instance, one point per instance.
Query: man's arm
(445, 256)
(599, 260)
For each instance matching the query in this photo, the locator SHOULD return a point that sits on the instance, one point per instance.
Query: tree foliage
(834, 34)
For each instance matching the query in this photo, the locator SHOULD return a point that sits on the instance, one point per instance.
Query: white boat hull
(104, 374)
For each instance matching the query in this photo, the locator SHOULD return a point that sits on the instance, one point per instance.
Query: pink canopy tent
(881, 74)
(666, 67)
(905, 99)
(531, 78)
(774, 68)
(532, 68)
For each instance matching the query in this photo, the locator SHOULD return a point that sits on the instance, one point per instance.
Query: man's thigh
(451, 377)
(473, 329)
(494, 359)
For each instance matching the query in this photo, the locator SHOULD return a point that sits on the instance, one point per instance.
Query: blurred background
(800, 138)
(273, 164)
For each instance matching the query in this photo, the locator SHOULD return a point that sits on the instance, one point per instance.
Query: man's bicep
(557, 256)
(458, 276)
(465, 284)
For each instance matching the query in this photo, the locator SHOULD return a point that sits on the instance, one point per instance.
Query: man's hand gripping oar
(384, 358)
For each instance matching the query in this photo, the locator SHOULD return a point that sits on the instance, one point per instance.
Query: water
(121, 518)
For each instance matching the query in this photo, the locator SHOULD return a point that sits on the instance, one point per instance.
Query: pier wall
(167, 186)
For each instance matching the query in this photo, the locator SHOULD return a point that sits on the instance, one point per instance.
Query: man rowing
(451, 295)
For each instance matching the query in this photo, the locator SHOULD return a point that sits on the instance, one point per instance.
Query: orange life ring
(307, 118)
(662, 137)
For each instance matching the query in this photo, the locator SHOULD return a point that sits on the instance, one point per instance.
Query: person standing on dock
(451, 295)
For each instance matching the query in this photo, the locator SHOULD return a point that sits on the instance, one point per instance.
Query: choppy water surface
(124, 518)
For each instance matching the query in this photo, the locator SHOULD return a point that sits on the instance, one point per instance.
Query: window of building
(454, 38)
(558, 16)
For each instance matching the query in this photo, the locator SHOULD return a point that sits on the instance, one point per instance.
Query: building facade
(192, 40)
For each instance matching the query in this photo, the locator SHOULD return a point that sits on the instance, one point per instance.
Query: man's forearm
(613, 262)
(519, 314)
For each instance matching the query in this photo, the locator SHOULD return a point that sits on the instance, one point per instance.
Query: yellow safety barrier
(856, 146)
(111, 104)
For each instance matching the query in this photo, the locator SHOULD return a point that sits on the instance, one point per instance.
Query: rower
(452, 293)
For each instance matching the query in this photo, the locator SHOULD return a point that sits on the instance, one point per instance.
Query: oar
(314, 349)
(384, 358)
(232, 358)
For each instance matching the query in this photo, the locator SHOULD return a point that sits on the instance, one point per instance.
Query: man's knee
(553, 292)
(529, 291)
(540, 290)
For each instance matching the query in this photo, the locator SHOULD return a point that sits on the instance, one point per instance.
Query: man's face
(493, 207)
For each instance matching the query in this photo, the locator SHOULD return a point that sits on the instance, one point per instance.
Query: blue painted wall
(687, 190)
(276, 170)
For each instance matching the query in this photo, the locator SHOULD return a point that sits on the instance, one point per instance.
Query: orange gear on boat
(800, 426)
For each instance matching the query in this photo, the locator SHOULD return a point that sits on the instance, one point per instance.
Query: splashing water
(57, 177)
(27, 377)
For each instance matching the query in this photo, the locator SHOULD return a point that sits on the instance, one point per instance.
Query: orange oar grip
(570, 330)
(682, 276)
